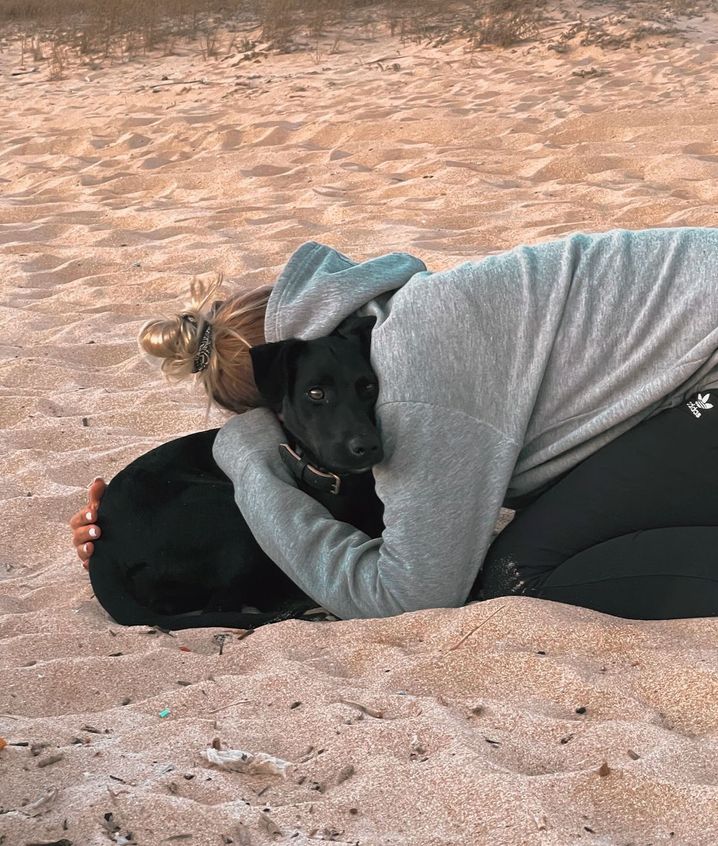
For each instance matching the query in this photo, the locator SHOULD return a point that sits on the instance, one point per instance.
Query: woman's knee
(662, 573)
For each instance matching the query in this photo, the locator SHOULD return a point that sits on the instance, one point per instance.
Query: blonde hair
(237, 324)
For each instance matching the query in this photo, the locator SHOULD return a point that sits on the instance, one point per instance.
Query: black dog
(175, 551)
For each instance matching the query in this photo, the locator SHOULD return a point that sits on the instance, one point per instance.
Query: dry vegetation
(125, 28)
(99, 30)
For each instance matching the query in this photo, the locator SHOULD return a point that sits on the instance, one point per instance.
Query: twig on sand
(152, 630)
(476, 628)
(383, 59)
(51, 759)
(228, 705)
(365, 709)
(174, 82)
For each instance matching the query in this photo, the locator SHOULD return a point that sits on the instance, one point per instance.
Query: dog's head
(324, 392)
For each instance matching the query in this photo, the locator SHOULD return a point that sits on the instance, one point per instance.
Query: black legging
(631, 531)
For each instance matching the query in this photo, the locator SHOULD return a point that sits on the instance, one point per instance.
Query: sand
(515, 721)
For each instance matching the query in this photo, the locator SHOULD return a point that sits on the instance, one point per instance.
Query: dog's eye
(315, 394)
(369, 389)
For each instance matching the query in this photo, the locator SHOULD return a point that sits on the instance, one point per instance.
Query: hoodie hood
(319, 287)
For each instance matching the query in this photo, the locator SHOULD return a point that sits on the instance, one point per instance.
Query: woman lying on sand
(570, 381)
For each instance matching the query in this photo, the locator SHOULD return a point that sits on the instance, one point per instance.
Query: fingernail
(97, 479)
(88, 515)
(84, 548)
(93, 532)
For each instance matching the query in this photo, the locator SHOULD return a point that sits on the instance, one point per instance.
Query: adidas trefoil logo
(700, 403)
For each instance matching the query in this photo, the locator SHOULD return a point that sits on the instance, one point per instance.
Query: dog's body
(175, 551)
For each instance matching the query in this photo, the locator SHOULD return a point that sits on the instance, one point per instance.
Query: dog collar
(310, 475)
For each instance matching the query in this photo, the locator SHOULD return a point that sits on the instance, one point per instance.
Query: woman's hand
(84, 528)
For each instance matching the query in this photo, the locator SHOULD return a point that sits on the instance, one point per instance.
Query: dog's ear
(272, 366)
(357, 328)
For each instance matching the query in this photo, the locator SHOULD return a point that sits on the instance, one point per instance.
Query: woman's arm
(442, 484)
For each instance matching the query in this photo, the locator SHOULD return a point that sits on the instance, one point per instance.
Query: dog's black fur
(176, 553)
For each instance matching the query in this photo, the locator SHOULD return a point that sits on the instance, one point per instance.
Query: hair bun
(176, 340)
(212, 342)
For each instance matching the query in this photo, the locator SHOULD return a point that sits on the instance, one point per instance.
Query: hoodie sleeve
(441, 484)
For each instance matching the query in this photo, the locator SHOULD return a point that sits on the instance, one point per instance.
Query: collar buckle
(312, 476)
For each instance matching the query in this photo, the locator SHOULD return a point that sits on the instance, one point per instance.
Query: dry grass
(97, 30)
(119, 28)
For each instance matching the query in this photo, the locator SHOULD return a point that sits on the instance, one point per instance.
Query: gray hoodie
(496, 377)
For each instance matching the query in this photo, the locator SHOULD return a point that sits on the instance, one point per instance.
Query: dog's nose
(363, 447)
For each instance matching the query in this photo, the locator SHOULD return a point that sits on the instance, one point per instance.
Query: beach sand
(516, 721)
